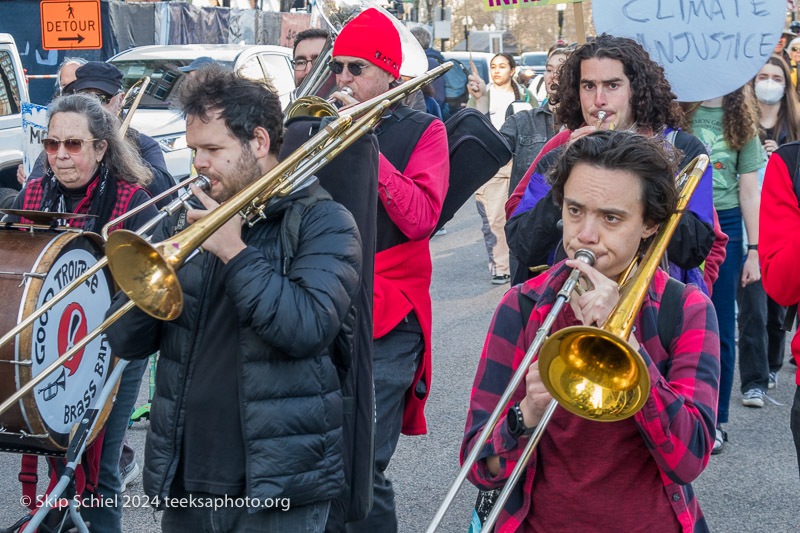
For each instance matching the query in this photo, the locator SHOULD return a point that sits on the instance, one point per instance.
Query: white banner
(708, 48)
(34, 129)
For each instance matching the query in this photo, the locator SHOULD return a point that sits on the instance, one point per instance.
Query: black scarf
(101, 204)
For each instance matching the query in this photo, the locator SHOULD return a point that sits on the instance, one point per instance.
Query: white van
(156, 115)
(13, 92)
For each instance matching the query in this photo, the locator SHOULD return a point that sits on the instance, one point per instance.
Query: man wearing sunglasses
(412, 183)
(307, 46)
(104, 81)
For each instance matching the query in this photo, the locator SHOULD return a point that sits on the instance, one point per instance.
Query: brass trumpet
(592, 372)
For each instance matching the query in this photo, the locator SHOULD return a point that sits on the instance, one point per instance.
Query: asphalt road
(751, 487)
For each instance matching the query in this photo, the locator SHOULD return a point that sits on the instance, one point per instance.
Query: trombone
(141, 85)
(146, 273)
(591, 372)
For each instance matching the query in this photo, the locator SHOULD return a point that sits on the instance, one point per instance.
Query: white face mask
(769, 91)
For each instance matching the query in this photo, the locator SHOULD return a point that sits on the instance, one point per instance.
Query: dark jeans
(761, 337)
(795, 423)
(724, 299)
(232, 518)
(397, 355)
(107, 518)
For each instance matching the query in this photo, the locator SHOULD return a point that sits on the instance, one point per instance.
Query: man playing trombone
(412, 183)
(247, 410)
(615, 189)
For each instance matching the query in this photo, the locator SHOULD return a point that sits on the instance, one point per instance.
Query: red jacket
(778, 242)
(413, 200)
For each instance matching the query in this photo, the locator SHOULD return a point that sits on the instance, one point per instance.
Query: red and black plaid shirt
(34, 196)
(676, 423)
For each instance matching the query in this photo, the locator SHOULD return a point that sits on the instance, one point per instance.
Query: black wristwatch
(752, 247)
(516, 423)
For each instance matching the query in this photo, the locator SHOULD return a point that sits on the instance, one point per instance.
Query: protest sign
(708, 48)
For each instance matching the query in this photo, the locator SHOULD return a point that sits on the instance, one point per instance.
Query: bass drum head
(60, 401)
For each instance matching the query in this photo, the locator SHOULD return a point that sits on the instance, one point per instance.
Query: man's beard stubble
(243, 174)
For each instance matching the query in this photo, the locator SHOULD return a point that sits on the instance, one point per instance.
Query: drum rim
(23, 373)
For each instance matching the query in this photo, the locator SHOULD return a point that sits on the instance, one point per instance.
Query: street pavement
(752, 487)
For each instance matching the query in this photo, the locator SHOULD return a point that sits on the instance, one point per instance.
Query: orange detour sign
(70, 24)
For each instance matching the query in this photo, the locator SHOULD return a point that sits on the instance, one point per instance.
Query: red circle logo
(71, 329)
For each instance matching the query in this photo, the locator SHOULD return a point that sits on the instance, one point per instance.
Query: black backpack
(477, 151)
(352, 180)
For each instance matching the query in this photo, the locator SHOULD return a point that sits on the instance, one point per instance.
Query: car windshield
(534, 60)
(165, 78)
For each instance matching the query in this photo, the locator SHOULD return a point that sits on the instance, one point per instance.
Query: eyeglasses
(795, 48)
(354, 68)
(301, 64)
(72, 146)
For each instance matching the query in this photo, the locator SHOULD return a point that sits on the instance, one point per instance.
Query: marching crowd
(311, 317)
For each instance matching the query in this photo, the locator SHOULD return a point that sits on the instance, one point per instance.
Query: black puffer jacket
(291, 406)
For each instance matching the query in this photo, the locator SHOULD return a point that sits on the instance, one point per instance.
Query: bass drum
(35, 266)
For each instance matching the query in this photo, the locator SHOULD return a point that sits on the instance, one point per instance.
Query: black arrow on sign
(79, 38)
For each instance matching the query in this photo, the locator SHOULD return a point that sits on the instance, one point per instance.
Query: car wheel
(7, 197)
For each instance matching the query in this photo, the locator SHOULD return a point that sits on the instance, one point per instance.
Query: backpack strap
(290, 225)
(671, 136)
(526, 305)
(668, 311)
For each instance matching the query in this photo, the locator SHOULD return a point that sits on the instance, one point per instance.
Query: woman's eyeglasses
(795, 48)
(355, 68)
(72, 146)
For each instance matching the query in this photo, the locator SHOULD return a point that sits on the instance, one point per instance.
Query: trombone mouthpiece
(587, 256)
(346, 90)
(601, 116)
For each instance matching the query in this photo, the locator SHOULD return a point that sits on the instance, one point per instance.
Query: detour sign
(70, 24)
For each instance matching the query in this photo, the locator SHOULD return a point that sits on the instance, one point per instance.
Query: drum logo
(71, 329)
(66, 394)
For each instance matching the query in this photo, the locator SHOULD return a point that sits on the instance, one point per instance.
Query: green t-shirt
(727, 163)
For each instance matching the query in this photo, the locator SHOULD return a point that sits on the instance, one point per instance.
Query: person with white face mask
(760, 321)
(778, 107)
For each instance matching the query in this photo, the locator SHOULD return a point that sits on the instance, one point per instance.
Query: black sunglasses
(354, 68)
(103, 97)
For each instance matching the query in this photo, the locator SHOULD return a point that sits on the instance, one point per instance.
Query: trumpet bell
(594, 374)
(145, 275)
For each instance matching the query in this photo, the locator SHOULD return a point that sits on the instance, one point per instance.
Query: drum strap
(86, 474)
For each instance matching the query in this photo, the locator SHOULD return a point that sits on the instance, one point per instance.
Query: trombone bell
(144, 275)
(310, 106)
(594, 374)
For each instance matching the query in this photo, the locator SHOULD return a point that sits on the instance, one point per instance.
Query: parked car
(532, 63)
(156, 115)
(13, 92)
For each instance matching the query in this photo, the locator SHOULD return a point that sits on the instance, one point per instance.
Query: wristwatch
(752, 247)
(516, 423)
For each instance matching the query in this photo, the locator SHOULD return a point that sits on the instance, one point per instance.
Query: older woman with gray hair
(92, 171)
(89, 169)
